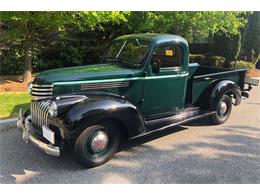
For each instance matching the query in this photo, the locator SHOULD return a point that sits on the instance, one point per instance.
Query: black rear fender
(225, 87)
(95, 110)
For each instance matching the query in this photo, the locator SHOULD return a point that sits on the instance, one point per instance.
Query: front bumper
(25, 125)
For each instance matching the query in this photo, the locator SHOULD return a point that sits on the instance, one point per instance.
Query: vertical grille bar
(32, 104)
(45, 112)
(39, 114)
(39, 111)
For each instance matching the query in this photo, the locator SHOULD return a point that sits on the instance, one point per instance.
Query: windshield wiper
(120, 60)
(130, 62)
(119, 52)
(125, 60)
(112, 59)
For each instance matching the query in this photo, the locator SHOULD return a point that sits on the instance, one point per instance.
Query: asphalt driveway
(193, 153)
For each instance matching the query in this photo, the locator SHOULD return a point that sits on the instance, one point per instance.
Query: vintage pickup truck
(144, 84)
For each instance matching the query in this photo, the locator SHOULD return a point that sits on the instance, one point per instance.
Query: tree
(228, 46)
(36, 31)
(191, 25)
(252, 38)
(27, 27)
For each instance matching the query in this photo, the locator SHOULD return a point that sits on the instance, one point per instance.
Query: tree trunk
(28, 63)
(257, 62)
(249, 54)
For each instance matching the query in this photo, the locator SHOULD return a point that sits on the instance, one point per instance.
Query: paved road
(194, 153)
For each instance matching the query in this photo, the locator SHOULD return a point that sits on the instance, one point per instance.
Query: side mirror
(156, 65)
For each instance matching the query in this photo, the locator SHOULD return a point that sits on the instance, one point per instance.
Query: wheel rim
(222, 109)
(98, 144)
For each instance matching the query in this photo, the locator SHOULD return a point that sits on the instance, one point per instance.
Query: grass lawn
(11, 102)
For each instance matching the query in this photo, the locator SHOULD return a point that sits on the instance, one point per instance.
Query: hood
(83, 73)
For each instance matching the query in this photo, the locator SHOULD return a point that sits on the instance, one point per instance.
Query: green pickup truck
(144, 85)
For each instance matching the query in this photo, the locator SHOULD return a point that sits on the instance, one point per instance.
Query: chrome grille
(40, 112)
(41, 91)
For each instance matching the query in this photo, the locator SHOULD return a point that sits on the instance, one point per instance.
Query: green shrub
(207, 59)
(227, 45)
(12, 60)
(242, 64)
(209, 54)
(197, 58)
(217, 61)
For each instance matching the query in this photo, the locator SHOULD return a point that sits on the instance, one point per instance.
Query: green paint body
(154, 94)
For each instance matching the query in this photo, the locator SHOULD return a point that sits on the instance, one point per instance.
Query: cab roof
(155, 38)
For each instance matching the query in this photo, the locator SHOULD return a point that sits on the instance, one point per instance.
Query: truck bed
(200, 78)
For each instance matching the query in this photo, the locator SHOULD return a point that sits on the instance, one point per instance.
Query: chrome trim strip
(35, 85)
(40, 93)
(121, 79)
(220, 73)
(40, 98)
(42, 89)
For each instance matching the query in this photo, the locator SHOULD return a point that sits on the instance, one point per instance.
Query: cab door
(165, 87)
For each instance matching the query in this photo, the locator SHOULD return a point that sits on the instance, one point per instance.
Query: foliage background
(37, 41)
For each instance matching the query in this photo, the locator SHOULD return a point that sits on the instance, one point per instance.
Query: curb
(7, 124)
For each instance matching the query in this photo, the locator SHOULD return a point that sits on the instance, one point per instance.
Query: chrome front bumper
(26, 126)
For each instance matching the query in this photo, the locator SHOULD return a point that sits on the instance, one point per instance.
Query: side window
(168, 55)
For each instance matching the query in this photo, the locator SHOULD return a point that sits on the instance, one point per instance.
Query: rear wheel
(96, 145)
(223, 110)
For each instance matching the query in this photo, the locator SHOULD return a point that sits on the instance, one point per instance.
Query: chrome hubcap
(222, 108)
(99, 142)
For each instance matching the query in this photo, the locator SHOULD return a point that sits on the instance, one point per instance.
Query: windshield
(130, 51)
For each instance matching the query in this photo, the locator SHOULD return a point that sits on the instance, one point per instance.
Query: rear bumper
(26, 126)
(250, 82)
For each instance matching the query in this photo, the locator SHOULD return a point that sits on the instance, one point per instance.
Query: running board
(172, 122)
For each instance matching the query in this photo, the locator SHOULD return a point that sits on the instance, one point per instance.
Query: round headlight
(29, 87)
(53, 110)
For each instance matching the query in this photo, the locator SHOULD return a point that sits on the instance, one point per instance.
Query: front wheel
(223, 110)
(96, 145)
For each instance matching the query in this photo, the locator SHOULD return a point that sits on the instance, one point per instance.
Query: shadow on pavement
(151, 137)
(201, 122)
(231, 154)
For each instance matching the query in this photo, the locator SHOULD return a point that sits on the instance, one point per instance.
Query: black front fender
(93, 110)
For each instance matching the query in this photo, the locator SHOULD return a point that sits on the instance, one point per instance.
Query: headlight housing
(53, 109)
(29, 87)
